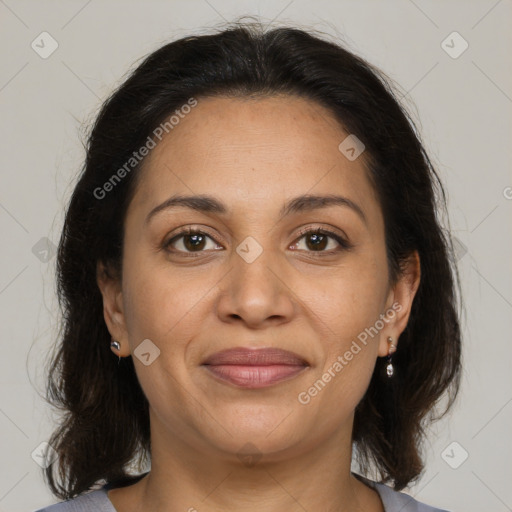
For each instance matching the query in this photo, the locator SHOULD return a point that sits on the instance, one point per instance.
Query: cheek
(165, 308)
(346, 313)
(350, 298)
(348, 310)
(166, 304)
(154, 300)
(158, 307)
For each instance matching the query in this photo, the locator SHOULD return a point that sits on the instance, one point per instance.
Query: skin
(253, 155)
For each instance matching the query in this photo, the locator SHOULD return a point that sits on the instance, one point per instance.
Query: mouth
(254, 368)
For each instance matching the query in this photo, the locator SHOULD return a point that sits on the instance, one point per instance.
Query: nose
(256, 293)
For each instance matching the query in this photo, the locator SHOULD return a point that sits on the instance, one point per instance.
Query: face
(254, 267)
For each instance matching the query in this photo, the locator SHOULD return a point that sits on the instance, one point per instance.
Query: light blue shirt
(97, 501)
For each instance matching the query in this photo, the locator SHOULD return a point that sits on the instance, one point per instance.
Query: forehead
(253, 152)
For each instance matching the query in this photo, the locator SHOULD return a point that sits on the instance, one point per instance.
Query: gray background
(464, 105)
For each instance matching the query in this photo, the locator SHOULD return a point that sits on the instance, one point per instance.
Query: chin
(270, 430)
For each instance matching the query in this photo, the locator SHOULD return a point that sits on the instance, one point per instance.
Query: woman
(254, 281)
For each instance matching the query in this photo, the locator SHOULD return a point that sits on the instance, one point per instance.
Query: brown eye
(316, 241)
(194, 242)
(191, 241)
(320, 240)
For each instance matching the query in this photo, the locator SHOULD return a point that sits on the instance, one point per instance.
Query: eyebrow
(209, 204)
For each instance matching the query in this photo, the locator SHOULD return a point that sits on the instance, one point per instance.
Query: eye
(191, 240)
(320, 240)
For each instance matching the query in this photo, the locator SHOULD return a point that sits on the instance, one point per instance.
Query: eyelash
(343, 244)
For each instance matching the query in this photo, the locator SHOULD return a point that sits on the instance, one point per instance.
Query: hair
(105, 425)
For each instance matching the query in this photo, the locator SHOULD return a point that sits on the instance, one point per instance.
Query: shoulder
(395, 501)
(95, 500)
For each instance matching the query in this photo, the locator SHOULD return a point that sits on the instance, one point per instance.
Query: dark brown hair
(105, 426)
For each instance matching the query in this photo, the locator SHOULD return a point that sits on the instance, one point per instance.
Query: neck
(187, 477)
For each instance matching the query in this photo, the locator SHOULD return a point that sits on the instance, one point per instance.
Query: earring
(389, 365)
(117, 346)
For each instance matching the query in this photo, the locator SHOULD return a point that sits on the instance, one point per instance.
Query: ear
(111, 290)
(399, 303)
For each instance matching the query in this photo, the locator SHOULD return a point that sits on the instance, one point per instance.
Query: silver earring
(389, 365)
(117, 346)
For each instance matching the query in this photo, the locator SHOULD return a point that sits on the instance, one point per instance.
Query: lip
(255, 368)
(255, 357)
